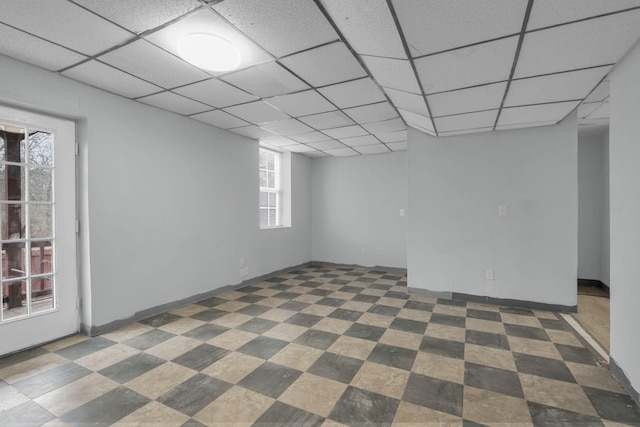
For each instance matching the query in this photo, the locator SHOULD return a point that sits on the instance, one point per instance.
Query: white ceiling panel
(144, 60)
(253, 132)
(281, 27)
(470, 66)
(385, 126)
(342, 152)
(587, 108)
(360, 140)
(372, 113)
(353, 93)
(219, 118)
(553, 12)
(265, 80)
(174, 102)
(389, 137)
(302, 103)
(372, 149)
(584, 44)
(286, 127)
(314, 154)
(465, 132)
(355, 18)
(27, 48)
(325, 65)
(600, 93)
(277, 141)
(417, 121)
(205, 21)
(526, 125)
(298, 148)
(536, 113)
(437, 25)
(309, 137)
(346, 132)
(327, 145)
(408, 101)
(108, 78)
(394, 73)
(554, 87)
(477, 98)
(257, 112)
(397, 146)
(139, 16)
(215, 92)
(482, 119)
(330, 120)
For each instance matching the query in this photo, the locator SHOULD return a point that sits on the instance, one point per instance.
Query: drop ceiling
(340, 77)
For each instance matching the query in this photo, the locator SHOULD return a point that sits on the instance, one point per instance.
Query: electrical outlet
(244, 271)
(241, 262)
(489, 275)
(401, 212)
(364, 251)
(502, 211)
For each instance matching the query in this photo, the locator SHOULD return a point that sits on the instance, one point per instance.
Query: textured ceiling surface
(340, 77)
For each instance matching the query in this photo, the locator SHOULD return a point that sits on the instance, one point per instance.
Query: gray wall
(605, 233)
(456, 185)
(356, 205)
(168, 205)
(624, 161)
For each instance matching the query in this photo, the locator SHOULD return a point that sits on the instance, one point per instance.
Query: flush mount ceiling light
(209, 52)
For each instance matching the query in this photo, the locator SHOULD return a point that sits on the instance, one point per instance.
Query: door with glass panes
(37, 216)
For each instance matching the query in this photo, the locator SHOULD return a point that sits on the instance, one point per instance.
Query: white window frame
(277, 189)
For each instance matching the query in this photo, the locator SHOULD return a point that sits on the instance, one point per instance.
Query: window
(270, 189)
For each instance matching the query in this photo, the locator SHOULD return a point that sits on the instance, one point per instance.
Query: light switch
(401, 212)
(502, 211)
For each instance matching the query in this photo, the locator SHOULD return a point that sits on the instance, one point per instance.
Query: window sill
(276, 227)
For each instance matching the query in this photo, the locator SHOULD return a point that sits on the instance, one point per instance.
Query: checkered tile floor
(319, 346)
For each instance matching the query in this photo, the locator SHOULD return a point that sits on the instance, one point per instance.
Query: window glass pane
(264, 199)
(14, 303)
(263, 179)
(41, 294)
(41, 261)
(263, 160)
(40, 220)
(272, 217)
(40, 184)
(12, 182)
(12, 221)
(271, 180)
(271, 162)
(12, 144)
(40, 148)
(264, 218)
(272, 200)
(13, 260)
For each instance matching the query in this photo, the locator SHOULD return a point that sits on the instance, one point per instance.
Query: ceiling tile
(280, 26)
(553, 12)
(205, 21)
(314, 154)
(27, 48)
(308, 137)
(372, 149)
(585, 109)
(477, 120)
(536, 113)
(215, 92)
(470, 66)
(360, 140)
(253, 132)
(397, 146)
(174, 102)
(342, 152)
(466, 131)
(356, 18)
(555, 87)
(372, 113)
(277, 141)
(256, 112)
(298, 148)
(345, 132)
(220, 119)
(526, 125)
(286, 127)
(600, 93)
(301, 103)
(325, 65)
(139, 16)
(385, 126)
(584, 44)
(326, 145)
(353, 93)
(144, 60)
(417, 121)
(408, 101)
(477, 98)
(439, 25)
(389, 137)
(330, 120)
(108, 78)
(64, 23)
(393, 73)
(266, 80)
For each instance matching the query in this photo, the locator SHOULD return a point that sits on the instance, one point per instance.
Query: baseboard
(621, 377)
(163, 308)
(591, 282)
(427, 293)
(377, 267)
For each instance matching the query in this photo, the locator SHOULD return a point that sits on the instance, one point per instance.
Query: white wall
(169, 204)
(624, 161)
(356, 205)
(605, 252)
(590, 200)
(455, 234)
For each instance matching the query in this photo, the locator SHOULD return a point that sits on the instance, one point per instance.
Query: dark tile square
(433, 393)
(445, 319)
(390, 355)
(39, 384)
(212, 302)
(249, 289)
(371, 299)
(21, 356)
(556, 324)
(303, 277)
(354, 273)
(25, 414)
(320, 292)
(304, 319)
(452, 302)
(336, 367)
(106, 409)
(548, 416)
(206, 332)
(270, 379)
(257, 326)
(286, 295)
(281, 287)
(418, 305)
(160, 320)
(493, 379)
(613, 406)
(359, 407)
(343, 314)
(280, 414)
(351, 289)
(192, 423)
(317, 339)
(442, 347)
(201, 357)
(83, 348)
(526, 332)
(263, 347)
(384, 310)
(331, 302)
(544, 367)
(366, 332)
(378, 272)
(408, 325)
(311, 284)
(396, 295)
(148, 339)
(253, 310)
(520, 311)
(194, 394)
(131, 367)
(576, 354)
(391, 277)
(340, 282)
(487, 339)
(365, 280)
(209, 315)
(484, 315)
(294, 306)
(330, 275)
(380, 286)
(275, 280)
(251, 299)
